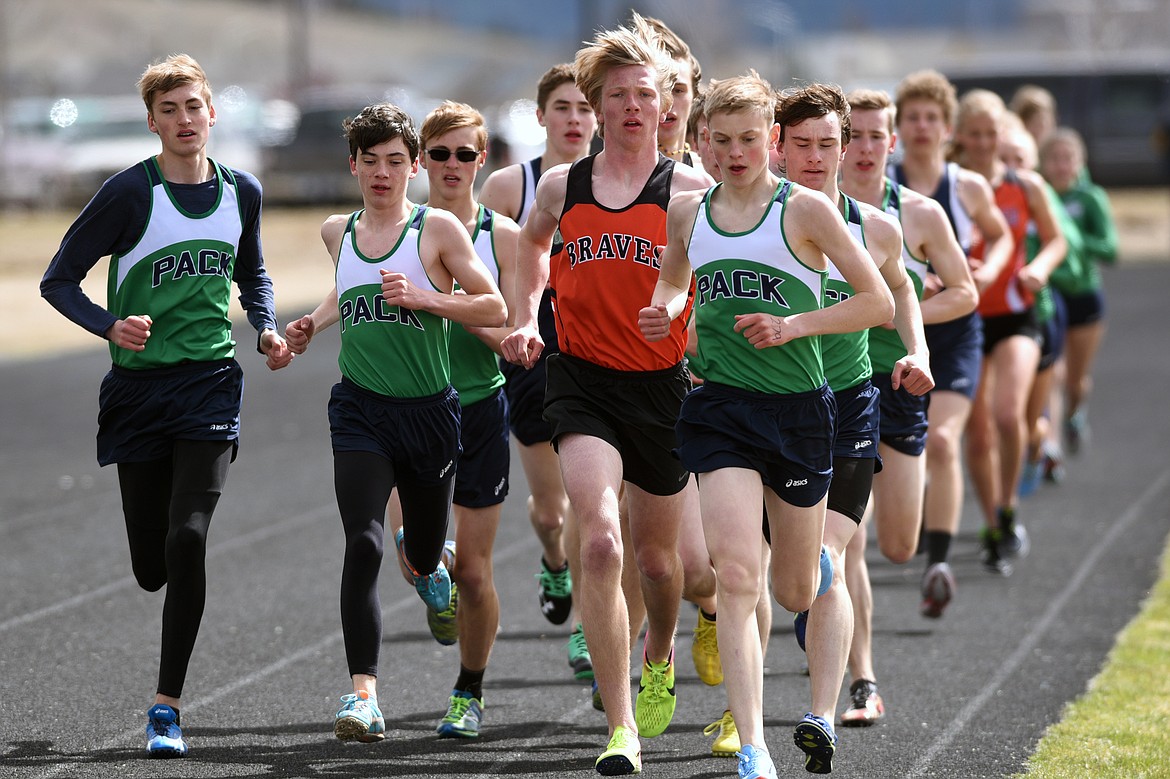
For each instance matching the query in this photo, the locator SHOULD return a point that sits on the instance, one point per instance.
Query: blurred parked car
(312, 165)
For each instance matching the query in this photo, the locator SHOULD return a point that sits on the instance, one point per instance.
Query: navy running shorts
(142, 413)
(525, 387)
(1054, 332)
(419, 436)
(1085, 308)
(482, 476)
(787, 439)
(956, 354)
(903, 417)
(632, 411)
(858, 421)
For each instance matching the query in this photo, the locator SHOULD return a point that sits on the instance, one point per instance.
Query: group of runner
(720, 290)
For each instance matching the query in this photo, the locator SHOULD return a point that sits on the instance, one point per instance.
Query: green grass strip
(1120, 727)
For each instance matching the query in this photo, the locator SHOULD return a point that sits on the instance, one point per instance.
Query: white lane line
(1024, 650)
(227, 545)
(122, 739)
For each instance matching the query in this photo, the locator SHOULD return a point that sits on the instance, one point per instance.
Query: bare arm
(446, 251)
(1053, 246)
(674, 276)
(524, 344)
(503, 189)
(299, 332)
(505, 233)
(977, 197)
(930, 237)
(884, 242)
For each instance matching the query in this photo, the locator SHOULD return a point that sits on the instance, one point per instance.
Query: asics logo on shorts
(861, 444)
(446, 468)
(796, 483)
(220, 426)
(500, 486)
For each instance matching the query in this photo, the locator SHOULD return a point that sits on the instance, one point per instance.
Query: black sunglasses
(463, 155)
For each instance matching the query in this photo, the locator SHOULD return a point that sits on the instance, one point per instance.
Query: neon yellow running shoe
(705, 652)
(622, 756)
(655, 704)
(726, 742)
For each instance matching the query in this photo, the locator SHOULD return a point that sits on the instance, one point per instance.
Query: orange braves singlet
(607, 271)
(1007, 295)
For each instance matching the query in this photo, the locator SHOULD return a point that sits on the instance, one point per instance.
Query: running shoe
(867, 706)
(818, 741)
(597, 702)
(726, 742)
(654, 707)
(1015, 542)
(1030, 476)
(622, 756)
(359, 718)
(164, 739)
(579, 658)
(464, 716)
(705, 651)
(434, 588)
(992, 556)
(444, 624)
(938, 587)
(800, 627)
(555, 593)
(1076, 432)
(826, 571)
(1054, 471)
(755, 763)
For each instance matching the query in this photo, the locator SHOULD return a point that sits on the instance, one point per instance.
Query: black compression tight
(168, 505)
(363, 481)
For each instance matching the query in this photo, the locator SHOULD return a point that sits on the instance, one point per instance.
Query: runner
(741, 311)
(179, 229)
(397, 265)
(612, 399)
(925, 105)
(896, 506)
(569, 124)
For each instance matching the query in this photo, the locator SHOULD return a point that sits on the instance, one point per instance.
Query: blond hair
(748, 92)
(656, 31)
(614, 49)
(177, 70)
(453, 116)
(927, 85)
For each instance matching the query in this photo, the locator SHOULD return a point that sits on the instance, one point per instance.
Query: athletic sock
(706, 616)
(938, 546)
(470, 681)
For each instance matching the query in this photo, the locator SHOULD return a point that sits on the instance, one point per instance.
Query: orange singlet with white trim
(607, 271)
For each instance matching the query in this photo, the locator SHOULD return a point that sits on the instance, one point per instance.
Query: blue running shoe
(597, 702)
(800, 627)
(1030, 476)
(359, 718)
(817, 739)
(163, 737)
(826, 572)
(755, 763)
(434, 588)
(464, 716)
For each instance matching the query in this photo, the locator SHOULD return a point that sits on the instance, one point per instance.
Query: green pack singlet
(394, 351)
(749, 272)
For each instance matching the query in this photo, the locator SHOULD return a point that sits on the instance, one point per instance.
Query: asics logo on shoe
(796, 483)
